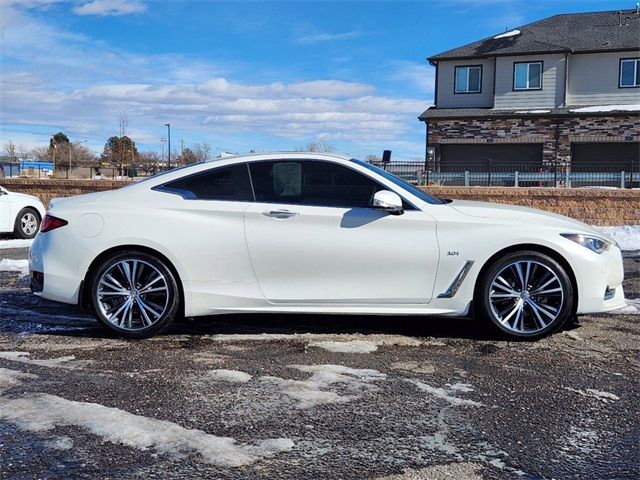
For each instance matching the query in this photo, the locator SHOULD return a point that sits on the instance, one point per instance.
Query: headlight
(595, 244)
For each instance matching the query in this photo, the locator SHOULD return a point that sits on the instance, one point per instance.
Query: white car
(304, 232)
(20, 214)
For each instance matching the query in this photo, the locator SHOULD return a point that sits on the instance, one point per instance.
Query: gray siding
(446, 78)
(552, 92)
(593, 79)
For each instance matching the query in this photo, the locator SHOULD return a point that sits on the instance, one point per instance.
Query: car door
(313, 238)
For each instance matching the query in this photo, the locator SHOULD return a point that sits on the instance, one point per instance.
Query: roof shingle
(576, 32)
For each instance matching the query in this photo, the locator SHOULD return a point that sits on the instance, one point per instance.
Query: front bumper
(599, 279)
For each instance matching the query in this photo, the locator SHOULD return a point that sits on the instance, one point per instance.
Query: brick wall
(537, 130)
(593, 206)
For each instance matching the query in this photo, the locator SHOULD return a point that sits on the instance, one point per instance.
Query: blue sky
(239, 75)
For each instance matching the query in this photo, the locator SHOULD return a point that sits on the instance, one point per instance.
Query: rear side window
(226, 183)
(308, 182)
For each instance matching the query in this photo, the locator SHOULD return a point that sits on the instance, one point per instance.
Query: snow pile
(5, 244)
(44, 412)
(353, 346)
(446, 394)
(319, 389)
(9, 265)
(607, 108)
(627, 236)
(232, 376)
(510, 33)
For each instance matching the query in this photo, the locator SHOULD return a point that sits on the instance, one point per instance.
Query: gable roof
(573, 33)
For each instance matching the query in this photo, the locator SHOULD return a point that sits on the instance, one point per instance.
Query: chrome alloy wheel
(526, 296)
(29, 223)
(132, 294)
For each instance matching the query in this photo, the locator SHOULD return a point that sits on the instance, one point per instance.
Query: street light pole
(168, 125)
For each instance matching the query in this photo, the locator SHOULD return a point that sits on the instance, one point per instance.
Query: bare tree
(10, 148)
(148, 161)
(373, 159)
(317, 147)
(23, 153)
(42, 154)
(82, 156)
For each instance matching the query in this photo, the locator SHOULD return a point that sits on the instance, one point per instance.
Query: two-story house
(564, 90)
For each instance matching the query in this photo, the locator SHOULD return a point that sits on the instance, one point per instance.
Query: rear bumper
(62, 261)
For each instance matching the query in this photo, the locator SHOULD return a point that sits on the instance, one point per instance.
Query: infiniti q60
(315, 233)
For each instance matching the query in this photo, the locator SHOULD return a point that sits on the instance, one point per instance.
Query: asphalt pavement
(314, 397)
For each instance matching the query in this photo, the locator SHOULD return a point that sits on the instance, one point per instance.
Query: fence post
(516, 182)
(622, 179)
(419, 177)
(466, 178)
(555, 174)
(489, 173)
(567, 178)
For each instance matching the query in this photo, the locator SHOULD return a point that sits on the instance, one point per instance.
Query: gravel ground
(311, 396)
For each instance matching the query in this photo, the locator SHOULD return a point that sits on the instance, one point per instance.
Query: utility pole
(162, 140)
(168, 125)
(181, 147)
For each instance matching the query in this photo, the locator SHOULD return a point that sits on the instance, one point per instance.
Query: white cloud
(109, 7)
(313, 38)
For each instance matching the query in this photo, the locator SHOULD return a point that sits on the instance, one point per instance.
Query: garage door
(502, 157)
(599, 157)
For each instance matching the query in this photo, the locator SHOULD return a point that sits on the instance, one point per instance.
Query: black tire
(141, 322)
(27, 223)
(526, 313)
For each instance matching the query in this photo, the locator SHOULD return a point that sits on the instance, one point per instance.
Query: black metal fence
(504, 174)
(15, 170)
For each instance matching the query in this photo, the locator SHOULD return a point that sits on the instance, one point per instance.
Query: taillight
(49, 222)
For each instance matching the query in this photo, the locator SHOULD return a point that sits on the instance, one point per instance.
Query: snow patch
(9, 265)
(232, 376)
(607, 108)
(353, 346)
(605, 397)
(446, 394)
(627, 236)
(319, 389)
(534, 111)
(43, 412)
(60, 443)
(510, 33)
(632, 308)
(60, 362)
(11, 378)
(5, 244)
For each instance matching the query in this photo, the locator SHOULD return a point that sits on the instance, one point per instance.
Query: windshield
(401, 183)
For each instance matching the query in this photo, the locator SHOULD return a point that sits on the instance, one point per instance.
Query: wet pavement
(312, 396)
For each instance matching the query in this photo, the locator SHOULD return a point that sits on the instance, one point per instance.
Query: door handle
(280, 214)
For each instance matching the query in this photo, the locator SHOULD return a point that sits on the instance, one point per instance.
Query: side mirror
(388, 201)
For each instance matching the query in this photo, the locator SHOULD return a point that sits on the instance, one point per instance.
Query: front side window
(468, 79)
(308, 182)
(527, 75)
(630, 72)
(225, 183)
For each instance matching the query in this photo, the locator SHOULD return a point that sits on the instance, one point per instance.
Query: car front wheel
(27, 223)
(134, 294)
(526, 295)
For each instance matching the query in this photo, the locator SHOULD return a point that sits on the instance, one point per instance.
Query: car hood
(524, 215)
(24, 196)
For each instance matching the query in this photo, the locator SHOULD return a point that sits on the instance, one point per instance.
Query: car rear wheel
(134, 294)
(526, 295)
(27, 223)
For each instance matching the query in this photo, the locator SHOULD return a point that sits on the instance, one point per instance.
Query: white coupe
(20, 214)
(303, 232)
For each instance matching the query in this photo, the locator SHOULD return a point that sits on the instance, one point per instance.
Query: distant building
(562, 90)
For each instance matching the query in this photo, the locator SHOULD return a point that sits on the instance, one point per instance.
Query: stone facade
(555, 133)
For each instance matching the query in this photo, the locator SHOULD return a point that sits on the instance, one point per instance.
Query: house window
(527, 75)
(629, 72)
(468, 79)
